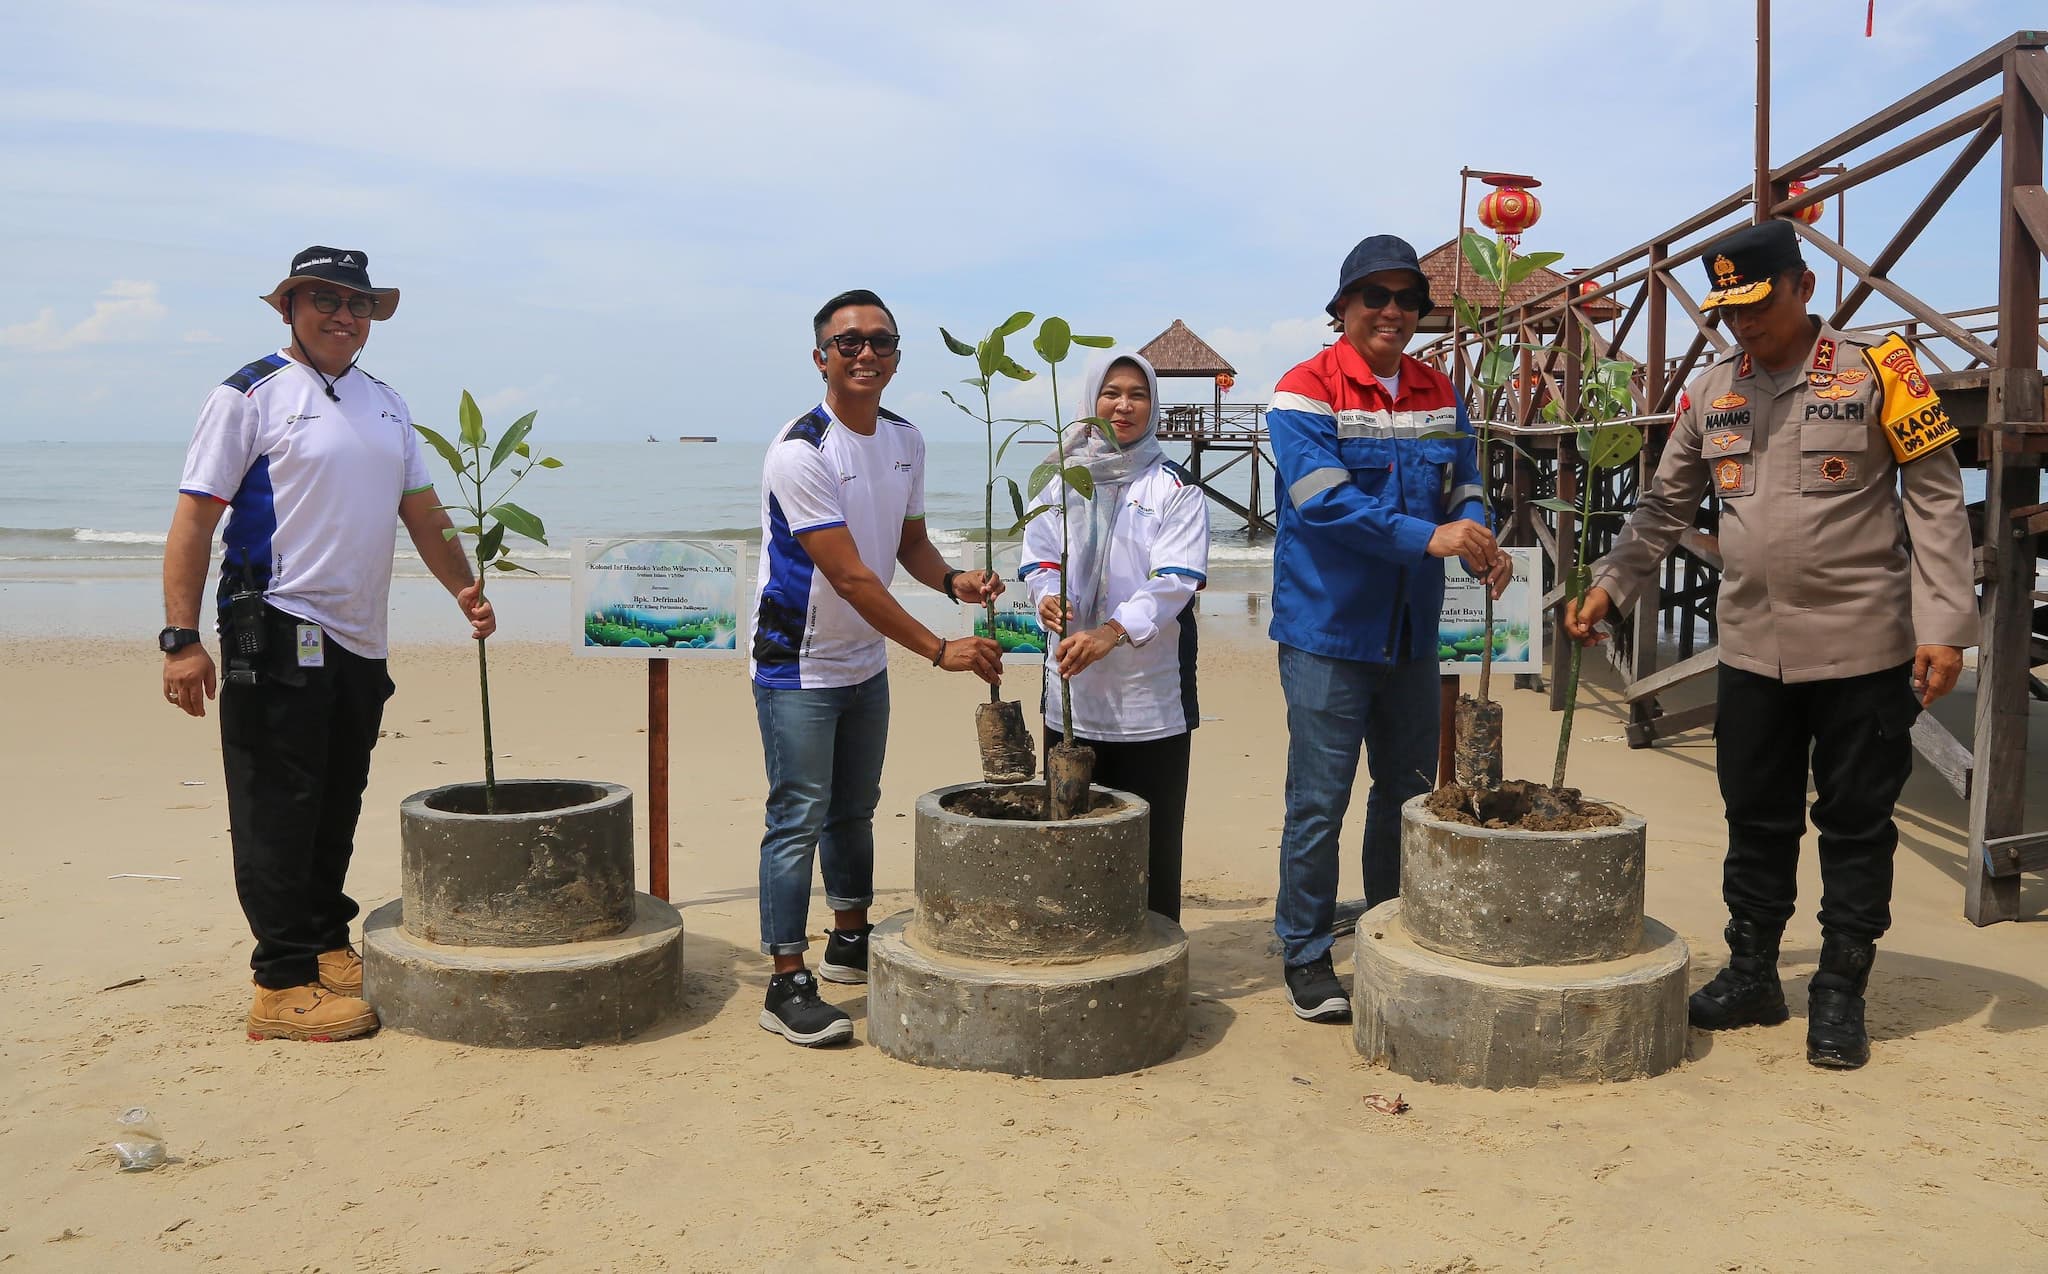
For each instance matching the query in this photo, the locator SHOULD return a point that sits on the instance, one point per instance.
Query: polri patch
(1915, 422)
(1733, 477)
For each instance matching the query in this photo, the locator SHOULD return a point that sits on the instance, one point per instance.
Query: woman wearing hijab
(1138, 551)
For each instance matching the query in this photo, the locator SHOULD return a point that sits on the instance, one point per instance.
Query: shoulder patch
(1179, 475)
(893, 418)
(809, 427)
(246, 380)
(1915, 423)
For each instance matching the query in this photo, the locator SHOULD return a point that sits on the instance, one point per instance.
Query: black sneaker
(795, 1012)
(1315, 994)
(846, 955)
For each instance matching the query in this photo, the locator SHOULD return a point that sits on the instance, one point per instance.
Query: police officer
(1846, 600)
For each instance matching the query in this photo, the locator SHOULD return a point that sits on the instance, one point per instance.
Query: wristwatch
(173, 640)
(1123, 636)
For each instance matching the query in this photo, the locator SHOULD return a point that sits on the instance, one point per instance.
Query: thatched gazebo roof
(1441, 264)
(1177, 351)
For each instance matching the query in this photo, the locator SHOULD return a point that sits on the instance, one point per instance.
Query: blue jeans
(1334, 705)
(824, 753)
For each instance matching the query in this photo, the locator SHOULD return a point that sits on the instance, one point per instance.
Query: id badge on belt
(312, 646)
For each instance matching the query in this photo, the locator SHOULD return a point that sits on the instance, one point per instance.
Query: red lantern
(1811, 212)
(1225, 382)
(1509, 209)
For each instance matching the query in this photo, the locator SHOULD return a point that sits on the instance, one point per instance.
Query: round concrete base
(592, 992)
(1451, 1021)
(1103, 1016)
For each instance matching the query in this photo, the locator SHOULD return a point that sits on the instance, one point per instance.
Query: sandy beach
(713, 1145)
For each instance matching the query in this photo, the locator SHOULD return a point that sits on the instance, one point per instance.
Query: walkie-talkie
(247, 637)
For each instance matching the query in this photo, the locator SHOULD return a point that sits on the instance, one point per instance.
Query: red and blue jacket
(1361, 491)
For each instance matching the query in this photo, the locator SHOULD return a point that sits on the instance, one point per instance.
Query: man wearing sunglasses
(842, 505)
(1846, 601)
(1379, 483)
(315, 463)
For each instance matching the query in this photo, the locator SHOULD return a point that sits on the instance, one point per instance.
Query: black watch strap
(946, 585)
(172, 640)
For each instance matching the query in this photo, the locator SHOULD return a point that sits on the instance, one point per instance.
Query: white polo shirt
(820, 474)
(312, 488)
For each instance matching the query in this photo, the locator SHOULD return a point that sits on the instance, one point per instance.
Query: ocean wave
(89, 536)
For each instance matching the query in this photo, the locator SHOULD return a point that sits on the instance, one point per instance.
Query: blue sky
(623, 214)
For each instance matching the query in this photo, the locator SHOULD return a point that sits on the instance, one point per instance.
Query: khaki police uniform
(1845, 546)
(1843, 537)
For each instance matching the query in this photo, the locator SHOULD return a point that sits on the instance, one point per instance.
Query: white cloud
(200, 336)
(127, 311)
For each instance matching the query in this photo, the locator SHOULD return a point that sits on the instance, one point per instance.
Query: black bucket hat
(340, 266)
(1373, 254)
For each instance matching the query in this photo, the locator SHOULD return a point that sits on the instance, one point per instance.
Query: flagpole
(1761, 191)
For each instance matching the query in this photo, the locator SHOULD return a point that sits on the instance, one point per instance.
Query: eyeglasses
(848, 343)
(1373, 297)
(359, 305)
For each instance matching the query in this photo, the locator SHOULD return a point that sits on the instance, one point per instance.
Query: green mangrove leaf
(1481, 255)
(1555, 505)
(1468, 314)
(441, 446)
(987, 355)
(1445, 434)
(1042, 475)
(510, 440)
(1497, 366)
(1016, 498)
(1521, 267)
(548, 462)
(1033, 516)
(448, 533)
(1054, 340)
(1096, 342)
(1081, 480)
(472, 418)
(954, 343)
(519, 520)
(1610, 446)
(492, 543)
(1014, 370)
(1015, 323)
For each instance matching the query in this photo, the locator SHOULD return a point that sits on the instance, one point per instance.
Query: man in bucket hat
(310, 458)
(1846, 601)
(1376, 489)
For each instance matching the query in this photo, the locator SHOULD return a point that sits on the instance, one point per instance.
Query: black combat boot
(1746, 993)
(1834, 1003)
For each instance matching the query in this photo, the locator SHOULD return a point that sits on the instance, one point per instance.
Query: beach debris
(67, 1236)
(1304, 1081)
(178, 1225)
(141, 875)
(191, 782)
(134, 981)
(1387, 1105)
(138, 1142)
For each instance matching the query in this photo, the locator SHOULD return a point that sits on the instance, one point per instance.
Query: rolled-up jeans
(1333, 706)
(824, 753)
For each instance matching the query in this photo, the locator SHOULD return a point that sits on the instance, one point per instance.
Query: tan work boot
(341, 971)
(309, 1012)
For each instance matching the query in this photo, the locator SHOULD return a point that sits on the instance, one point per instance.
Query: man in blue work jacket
(1374, 495)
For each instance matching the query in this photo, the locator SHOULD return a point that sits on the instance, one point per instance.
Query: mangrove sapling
(1069, 767)
(1494, 261)
(475, 460)
(1007, 755)
(1605, 442)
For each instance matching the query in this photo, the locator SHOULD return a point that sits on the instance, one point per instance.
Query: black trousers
(1856, 730)
(1158, 771)
(296, 750)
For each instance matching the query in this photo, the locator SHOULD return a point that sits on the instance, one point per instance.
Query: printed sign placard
(1517, 626)
(1017, 628)
(660, 599)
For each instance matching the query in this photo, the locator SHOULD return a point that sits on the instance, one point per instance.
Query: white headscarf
(1113, 468)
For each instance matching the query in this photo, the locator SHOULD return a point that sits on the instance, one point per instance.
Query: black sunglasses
(1413, 300)
(328, 302)
(848, 343)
